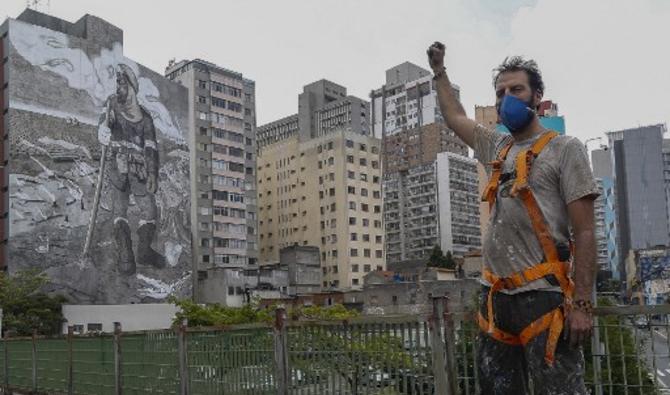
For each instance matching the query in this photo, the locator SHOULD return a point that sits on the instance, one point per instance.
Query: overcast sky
(606, 63)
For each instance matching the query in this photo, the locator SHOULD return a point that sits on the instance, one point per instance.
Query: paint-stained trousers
(505, 369)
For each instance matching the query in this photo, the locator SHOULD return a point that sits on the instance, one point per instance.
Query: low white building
(133, 317)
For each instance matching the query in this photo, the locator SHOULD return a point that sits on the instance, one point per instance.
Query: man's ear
(537, 98)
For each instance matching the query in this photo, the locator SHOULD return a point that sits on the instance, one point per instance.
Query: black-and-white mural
(98, 169)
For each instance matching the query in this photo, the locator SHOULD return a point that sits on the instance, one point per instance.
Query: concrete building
(389, 296)
(666, 174)
(406, 101)
(417, 146)
(432, 204)
(323, 107)
(642, 221)
(223, 161)
(95, 164)
(133, 317)
(605, 205)
(325, 192)
(304, 269)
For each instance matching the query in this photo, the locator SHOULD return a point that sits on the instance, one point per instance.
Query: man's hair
(518, 63)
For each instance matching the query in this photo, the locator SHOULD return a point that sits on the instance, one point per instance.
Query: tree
(439, 259)
(25, 308)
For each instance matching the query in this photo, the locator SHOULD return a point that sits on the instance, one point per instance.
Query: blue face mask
(515, 113)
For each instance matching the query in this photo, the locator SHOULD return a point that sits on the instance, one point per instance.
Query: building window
(350, 159)
(353, 252)
(378, 223)
(378, 209)
(362, 147)
(351, 190)
(366, 268)
(354, 268)
(378, 254)
(378, 239)
(332, 192)
(332, 207)
(366, 252)
(352, 220)
(351, 175)
(349, 144)
(364, 192)
(366, 237)
(202, 84)
(366, 222)
(231, 290)
(363, 162)
(334, 253)
(364, 177)
(364, 207)
(354, 281)
(375, 164)
(354, 236)
(352, 205)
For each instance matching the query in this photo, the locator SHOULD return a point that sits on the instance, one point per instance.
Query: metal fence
(419, 354)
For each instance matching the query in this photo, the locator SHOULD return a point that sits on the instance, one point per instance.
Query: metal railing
(418, 354)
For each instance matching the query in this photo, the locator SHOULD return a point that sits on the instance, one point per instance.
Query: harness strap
(552, 321)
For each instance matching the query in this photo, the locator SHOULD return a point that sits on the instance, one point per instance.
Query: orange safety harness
(553, 320)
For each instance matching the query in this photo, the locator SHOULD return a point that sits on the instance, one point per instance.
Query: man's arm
(582, 220)
(451, 108)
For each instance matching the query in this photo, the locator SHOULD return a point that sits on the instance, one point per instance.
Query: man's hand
(579, 327)
(152, 183)
(436, 56)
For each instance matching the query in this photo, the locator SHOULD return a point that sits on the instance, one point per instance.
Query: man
(128, 131)
(533, 316)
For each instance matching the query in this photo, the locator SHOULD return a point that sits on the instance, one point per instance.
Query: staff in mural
(130, 149)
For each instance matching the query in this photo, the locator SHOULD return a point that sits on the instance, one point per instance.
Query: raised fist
(436, 56)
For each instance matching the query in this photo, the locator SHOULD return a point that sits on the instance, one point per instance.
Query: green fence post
(438, 348)
(182, 355)
(34, 360)
(70, 361)
(118, 382)
(6, 352)
(281, 352)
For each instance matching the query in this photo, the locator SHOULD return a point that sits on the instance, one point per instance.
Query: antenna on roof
(39, 5)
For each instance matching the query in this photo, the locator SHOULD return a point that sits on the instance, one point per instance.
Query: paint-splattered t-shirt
(559, 175)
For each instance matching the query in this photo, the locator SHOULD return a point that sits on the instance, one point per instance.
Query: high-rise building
(421, 193)
(666, 174)
(95, 175)
(406, 101)
(322, 186)
(605, 211)
(640, 190)
(323, 106)
(432, 204)
(222, 115)
(417, 146)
